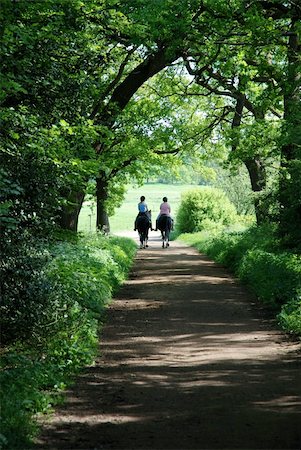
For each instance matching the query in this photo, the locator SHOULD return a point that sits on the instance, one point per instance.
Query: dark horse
(164, 225)
(143, 225)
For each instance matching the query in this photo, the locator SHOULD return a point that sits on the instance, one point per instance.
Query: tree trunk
(290, 182)
(254, 166)
(257, 176)
(70, 213)
(102, 218)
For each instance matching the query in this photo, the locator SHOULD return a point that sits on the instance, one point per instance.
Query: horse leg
(167, 238)
(167, 231)
(141, 240)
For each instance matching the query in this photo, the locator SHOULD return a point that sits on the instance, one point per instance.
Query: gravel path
(188, 360)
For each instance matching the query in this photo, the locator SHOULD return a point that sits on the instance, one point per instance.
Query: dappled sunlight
(135, 304)
(99, 419)
(182, 279)
(193, 351)
(285, 403)
(187, 352)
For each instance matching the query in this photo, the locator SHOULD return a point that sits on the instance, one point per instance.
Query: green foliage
(229, 248)
(255, 139)
(62, 62)
(290, 316)
(204, 208)
(290, 200)
(59, 79)
(275, 278)
(256, 257)
(9, 190)
(46, 69)
(28, 386)
(236, 185)
(63, 66)
(25, 291)
(88, 273)
(55, 328)
(51, 67)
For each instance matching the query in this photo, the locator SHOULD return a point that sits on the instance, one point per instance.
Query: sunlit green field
(124, 217)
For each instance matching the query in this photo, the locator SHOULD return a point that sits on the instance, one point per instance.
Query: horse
(164, 225)
(143, 225)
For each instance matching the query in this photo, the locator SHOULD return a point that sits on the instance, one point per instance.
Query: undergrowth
(255, 256)
(77, 283)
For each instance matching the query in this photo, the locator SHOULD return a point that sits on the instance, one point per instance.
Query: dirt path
(188, 361)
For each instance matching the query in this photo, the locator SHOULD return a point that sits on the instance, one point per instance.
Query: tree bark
(290, 182)
(102, 218)
(257, 176)
(70, 213)
(254, 166)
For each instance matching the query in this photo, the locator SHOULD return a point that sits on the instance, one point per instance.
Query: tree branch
(122, 166)
(112, 84)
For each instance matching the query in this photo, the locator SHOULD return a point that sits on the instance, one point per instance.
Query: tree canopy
(108, 90)
(99, 93)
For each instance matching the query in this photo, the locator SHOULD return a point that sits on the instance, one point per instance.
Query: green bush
(290, 316)
(229, 247)
(28, 386)
(275, 278)
(25, 292)
(71, 293)
(204, 208)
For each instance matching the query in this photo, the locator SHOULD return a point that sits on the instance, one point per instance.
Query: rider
(143, 211)
(165, 210)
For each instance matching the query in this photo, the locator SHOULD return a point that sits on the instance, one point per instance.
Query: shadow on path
(188, 361)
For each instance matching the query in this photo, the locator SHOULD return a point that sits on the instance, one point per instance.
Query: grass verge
(81, 277)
